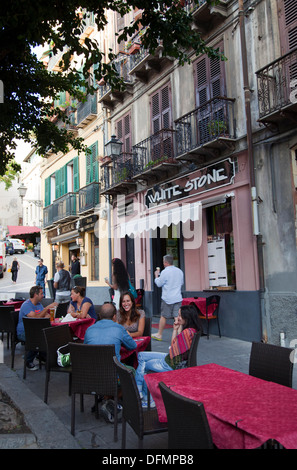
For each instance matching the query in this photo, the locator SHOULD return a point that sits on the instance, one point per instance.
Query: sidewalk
(51, 423)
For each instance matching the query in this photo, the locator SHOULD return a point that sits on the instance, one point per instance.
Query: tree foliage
(30, 89)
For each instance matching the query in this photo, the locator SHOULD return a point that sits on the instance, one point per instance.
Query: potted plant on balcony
(104, 160)
(217, 128)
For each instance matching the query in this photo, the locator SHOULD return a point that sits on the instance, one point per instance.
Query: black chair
(192, 357)
(52, 290)
(55, 337)
(148, 331)
(93, 373)
(272, 363)
(143, 422)
(46, 301)
(5, 322)
(22, 295)
(97, 310)
(78, 281)
(62, 309)
(35, 340)
(188, 426)
(210, 301)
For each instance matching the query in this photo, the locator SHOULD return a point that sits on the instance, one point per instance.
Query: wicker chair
(55, 337)
(272, 363)
(148, 331)
(5, 322)
(188, 426)
(97, 310)
(62, 309)
(192, 357)
(143, 422)
(34, 337)
(46, 301)
(93, 373)
(211, 300)
(8, 323)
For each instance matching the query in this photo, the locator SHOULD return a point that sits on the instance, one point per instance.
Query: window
(161, 109)
(123, 132)
(94, 257)
(92, 164)
(220, 241)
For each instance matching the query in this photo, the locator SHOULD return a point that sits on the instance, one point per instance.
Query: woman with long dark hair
(186, 324)
(80, 305)
(120, 280)
(132, 319)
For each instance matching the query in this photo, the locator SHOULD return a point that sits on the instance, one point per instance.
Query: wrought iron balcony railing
(210, 122)
(65, 207)
(88, 197)
(87, 111)
(275, 84)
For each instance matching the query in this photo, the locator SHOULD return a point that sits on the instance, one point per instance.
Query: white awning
(182, 213)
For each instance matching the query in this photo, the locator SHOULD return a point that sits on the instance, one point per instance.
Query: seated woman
(133, 320)
(81, 306)
(184, 328)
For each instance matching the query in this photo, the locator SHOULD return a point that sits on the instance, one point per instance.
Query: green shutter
(88, 166)
(47, 191)
(63, 180)
(95, 172)
(58, 183)
(75, 174)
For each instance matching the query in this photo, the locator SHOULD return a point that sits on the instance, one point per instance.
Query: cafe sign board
(205, 179)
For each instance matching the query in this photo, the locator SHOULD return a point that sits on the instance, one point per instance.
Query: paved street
(26, 274)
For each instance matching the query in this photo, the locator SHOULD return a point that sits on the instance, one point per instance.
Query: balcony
(154, 156)
(117, 178)
(277, 89)
(142, 64)
(62, 209)
(109, 97)
(206, 131)
(88, 198)
(205, 16)
(87, 111)
(72, 125)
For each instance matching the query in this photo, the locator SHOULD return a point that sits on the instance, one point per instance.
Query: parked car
(9, 248)
(18, 245)
(3, 265)
(37, 250)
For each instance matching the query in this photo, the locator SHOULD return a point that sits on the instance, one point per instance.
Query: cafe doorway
(165, 241)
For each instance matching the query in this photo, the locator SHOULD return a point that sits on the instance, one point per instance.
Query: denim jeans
(149, 361)
(30, 354)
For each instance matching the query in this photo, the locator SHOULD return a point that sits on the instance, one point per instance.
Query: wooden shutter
(58, 183)
(92, 164)
(75, 174)
(123, 132)
(209, 78)
(63, 180)
(161, 109)
(287, 10)
(47, 191)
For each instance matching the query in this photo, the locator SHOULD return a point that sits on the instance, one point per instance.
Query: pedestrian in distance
(62, 283)
(171, 280)
(41, 273)
(15, 266)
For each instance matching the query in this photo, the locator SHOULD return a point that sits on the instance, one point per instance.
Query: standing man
(171, 280)
(62, 283)
(75, 266)
(41, 275)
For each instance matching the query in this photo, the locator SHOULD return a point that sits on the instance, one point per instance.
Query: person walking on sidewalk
(171, 280)
(41, 273)
(15, 266)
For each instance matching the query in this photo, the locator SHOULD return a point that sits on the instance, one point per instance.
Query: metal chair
(5, 322)
(35, 340)
(55, 337)
(97, 310)
(93, 373)
(8, 323)
(46, 301)
(272, 363)
(143, 422)
(192, 357)
(148, 331)
(188, 426)
(214, 315)
(62, 309)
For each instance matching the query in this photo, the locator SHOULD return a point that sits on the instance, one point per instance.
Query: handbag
(63, 353)
(9, 270)
(132, 290)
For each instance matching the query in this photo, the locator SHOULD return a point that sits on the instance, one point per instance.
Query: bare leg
(162, 324)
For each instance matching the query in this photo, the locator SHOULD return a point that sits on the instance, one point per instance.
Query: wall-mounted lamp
(80, 241)
(22, 193)
(113, 147)
(55, 247)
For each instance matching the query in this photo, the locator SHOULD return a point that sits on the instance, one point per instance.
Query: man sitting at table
(32, 308)
(108, 331)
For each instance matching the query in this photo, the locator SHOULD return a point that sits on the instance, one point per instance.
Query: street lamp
(22, 192)
(113, 147)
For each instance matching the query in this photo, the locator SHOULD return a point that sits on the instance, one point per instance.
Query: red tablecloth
(243, 411)
(78, 327)
(200, 302)
(141, 342)
(16, 304)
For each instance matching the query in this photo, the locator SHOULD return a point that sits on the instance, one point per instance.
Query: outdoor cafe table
(141, 345)
(200, 302)
(78, 327)
(243, 411)
(16, 304)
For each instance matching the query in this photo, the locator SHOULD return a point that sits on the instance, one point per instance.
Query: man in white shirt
(171, 280)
